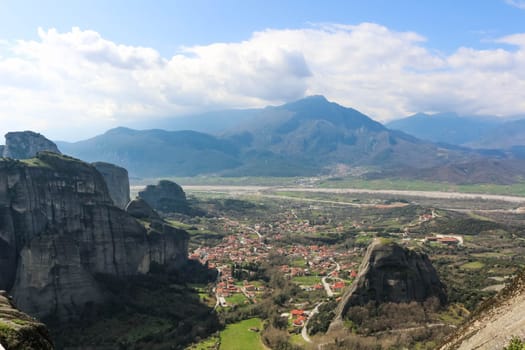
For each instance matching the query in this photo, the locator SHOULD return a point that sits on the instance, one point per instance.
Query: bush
(515, 344)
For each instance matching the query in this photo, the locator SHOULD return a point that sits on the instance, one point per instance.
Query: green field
(474, 265)
(238, 336)
(236, 299)
(517, 189)
(307, 280)
(226, 181)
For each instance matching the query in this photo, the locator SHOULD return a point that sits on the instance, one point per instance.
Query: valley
(315, 240)
(262, 175)
(223, 263)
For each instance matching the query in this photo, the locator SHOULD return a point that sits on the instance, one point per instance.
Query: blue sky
(167, 25)
(99, 64)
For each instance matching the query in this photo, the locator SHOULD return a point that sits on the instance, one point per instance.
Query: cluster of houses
(239, 248)
(299, 317)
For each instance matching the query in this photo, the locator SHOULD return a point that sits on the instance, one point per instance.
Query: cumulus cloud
(74, 84)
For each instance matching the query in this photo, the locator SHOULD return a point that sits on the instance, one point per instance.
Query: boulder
(26, 144)
(390, 273)
(166, 196)
(20, 331)
(117, 180)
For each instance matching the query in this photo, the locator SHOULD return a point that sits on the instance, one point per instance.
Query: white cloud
(516, 3)
(71, 85)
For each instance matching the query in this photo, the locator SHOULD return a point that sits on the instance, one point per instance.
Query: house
(297, 313)
(338, 285)
(448, 240)
(299, 321)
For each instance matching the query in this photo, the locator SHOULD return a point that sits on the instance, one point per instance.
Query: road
(326, 285)
(329, 293)
(327, 288)
(219, 300)
(254, 231)
(304, 331)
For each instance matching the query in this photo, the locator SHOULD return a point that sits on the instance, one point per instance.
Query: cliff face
(391, 273)
(59, 229)
(117, 181)
(26, 144)
(494, 324)
(19, 331)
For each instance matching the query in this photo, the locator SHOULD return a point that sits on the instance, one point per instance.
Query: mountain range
(487, 132)
(307, 137)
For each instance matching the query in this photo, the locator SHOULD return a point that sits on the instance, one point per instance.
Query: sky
(73, 69)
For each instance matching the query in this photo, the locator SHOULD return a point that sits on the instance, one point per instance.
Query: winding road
(329, 293)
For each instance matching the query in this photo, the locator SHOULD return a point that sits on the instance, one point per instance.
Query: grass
(207, 344)
(238, 336)
(236, 299)
(226, 181)
(306, 280)
(517, 189)
(474, 265)
(34, 162)
(488, 255)
(297, 339)
(299, 262)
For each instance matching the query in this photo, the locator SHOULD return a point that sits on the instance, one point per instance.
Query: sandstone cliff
(26, 144)
(117, 181)
(19, 331)
(493, 325)
(391, 273)
(59, 229)
(166, 196)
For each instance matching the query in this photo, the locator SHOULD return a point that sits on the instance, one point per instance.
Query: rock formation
(117, 181)
(391, 273)
(140, 209)
(18, 330)
(26, 144)
(496, 321)
(166, 196)
(59, 229)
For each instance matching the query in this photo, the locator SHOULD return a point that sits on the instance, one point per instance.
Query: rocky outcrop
(166, 196)
(26, 144)
(117, 181)
(493, 325)
(18, 330)
(59, 229)
(391, 273)
(140, 209)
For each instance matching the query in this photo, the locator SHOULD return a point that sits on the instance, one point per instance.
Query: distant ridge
(307, 137)
(445, 127)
